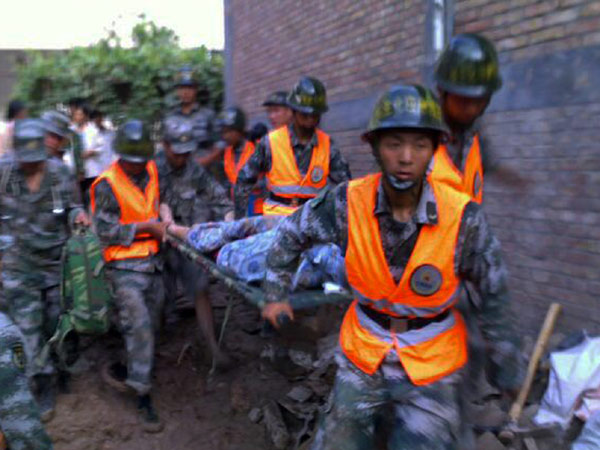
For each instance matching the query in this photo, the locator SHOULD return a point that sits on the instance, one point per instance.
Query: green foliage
(124, 82)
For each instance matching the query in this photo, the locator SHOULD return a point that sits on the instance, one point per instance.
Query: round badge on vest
(477, 184)
(317, 174)
(426, 280)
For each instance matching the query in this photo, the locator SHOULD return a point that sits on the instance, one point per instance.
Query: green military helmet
(233, 117)
(180, 135)
(186, 76)
(277, 98)
(406, 106)
(28, 141)
(133, 143)
(56, 122)
(308, 96)
(468, 67)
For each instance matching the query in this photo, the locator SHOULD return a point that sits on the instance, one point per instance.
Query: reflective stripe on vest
(284, 178)
(429, 286)
(135, 207)
(471, 182)
(231, 168)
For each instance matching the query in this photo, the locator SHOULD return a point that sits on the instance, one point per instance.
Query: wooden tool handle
(538, 351)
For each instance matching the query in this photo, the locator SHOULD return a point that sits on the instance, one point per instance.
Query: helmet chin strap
(399, 185)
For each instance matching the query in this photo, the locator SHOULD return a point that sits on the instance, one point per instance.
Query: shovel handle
(538, 351)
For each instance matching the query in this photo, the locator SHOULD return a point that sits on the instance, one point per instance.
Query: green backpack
(85, 296)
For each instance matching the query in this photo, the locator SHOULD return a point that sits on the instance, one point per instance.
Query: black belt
(385, 320)
(296, 201)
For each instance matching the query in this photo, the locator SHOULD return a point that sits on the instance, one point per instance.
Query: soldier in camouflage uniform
(393, 362)
(191, 196)
(278, 111)
(56, 125)
(19, 415)
(197, 116)
(308, 102)
(124, 201)
(37, 207)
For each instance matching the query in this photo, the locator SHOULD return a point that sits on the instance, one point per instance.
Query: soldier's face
(405, 154)
(186, 94)
(53, 142)
(231, 136)
(306, 122)
(279, 115)
(463, 110)
(31, 168)
(176, 160)
(132, 168)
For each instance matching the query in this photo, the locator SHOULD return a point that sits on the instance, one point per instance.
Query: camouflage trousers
(19, 415)
(139, 298)
(386, 406)
(35, 311)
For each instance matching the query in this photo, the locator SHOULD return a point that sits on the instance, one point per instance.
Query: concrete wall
(544, 121)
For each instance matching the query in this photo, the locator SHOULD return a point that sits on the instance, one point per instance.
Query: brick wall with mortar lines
(549, 230)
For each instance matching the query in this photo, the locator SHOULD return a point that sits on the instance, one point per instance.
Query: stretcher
(253, 294)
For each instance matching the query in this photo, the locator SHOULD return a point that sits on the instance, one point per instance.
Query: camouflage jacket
(459, 143)
(478, 260)
(106, 219)
(36, 225)
(193, 195)
(19, 415)
(260, 163)
(202, 121)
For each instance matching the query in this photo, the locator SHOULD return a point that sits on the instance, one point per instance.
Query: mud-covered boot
(147, 415)
(45, 396)
(114, 374)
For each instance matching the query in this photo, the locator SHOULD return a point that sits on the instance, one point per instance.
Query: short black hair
(95, 113)
(14, 108)
(85, 108)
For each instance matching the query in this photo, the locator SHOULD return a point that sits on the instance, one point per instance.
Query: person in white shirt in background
(16, 110)
(94, 155)
(105, 136)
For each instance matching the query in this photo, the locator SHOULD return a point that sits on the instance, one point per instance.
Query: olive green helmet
(233, 118)
(28, 141)
(468, 67)
(186, 76)
(133, 143)
(277, 98)
(406, 106)
(308, 96)
(56, 123)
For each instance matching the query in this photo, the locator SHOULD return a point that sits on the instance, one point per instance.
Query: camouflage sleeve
(321, 220)
(489, 156)
(213, 193)
(106, 218)
(71, 192)
(19, 416)
(248, 176)
(339, 170)
(480, 262)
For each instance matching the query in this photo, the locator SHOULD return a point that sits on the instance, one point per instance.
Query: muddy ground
(198, 413)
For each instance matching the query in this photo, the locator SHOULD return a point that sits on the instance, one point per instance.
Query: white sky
(51, 24)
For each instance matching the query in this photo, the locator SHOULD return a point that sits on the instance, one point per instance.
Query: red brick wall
(526, 28)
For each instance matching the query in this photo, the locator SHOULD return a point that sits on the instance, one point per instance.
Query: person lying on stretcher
(241, 247)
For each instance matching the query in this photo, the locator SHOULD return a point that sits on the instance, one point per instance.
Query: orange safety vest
(428, 287)
(136, 206)
(231, 168)
(284, 178)
(471, 181)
